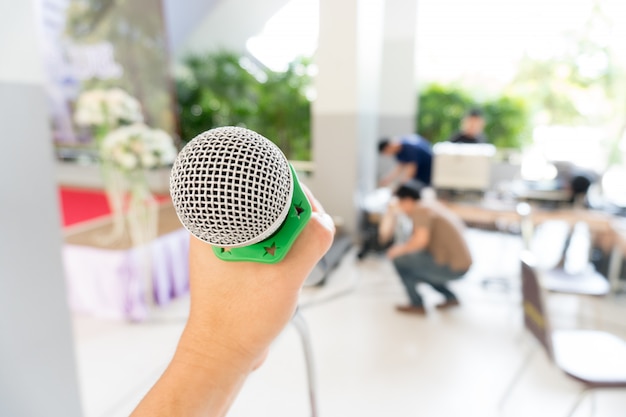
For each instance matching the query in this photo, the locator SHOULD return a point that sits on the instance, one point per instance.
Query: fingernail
(326, 221)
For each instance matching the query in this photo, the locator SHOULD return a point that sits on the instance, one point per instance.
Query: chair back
(535, 316)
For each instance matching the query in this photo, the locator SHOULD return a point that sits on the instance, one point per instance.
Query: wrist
(200, 347)
(395, 251)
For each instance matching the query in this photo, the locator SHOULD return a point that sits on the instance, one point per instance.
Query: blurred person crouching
(435, 253)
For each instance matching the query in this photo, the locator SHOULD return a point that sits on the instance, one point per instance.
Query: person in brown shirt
(436, 251)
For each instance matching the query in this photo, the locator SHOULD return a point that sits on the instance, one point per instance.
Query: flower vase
(114, 188)
(142, 227)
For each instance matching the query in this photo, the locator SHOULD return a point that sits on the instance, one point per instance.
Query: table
(108, 280)
(609, 232)
(490, 212)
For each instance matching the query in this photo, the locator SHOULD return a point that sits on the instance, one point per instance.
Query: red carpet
(80, 205)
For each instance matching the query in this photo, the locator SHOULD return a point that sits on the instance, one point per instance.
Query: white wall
(37, 365)
(182, 17)
(19, 62)
(229, 25)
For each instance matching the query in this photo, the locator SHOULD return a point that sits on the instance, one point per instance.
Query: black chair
(596, 359)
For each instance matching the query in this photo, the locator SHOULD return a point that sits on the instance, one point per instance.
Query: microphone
(235, 189)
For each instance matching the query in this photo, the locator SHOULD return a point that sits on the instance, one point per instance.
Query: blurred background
(98, 96)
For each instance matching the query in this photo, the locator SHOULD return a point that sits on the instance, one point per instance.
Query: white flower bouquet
(126, 147)
(136, 147)
(107, 108)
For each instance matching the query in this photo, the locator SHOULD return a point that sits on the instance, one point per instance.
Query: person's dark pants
(419, 267)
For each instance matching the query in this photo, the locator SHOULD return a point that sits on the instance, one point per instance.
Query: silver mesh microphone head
(231, 187)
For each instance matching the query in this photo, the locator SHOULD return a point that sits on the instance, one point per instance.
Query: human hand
(237, 310)
(243, 306)
(395, 251)
(385, 182)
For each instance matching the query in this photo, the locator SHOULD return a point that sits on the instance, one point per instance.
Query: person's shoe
(412, 309)
(448, 303)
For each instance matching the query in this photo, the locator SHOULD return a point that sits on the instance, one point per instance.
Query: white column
(398, 97)
(37, 365)
(345, 112)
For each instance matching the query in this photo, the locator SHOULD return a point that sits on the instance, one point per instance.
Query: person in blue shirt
(414, 156)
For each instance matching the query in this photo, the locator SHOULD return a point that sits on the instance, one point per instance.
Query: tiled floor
(370, 360)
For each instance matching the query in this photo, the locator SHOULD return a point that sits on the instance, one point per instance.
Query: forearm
(408, 247)
(418, 241)
(387, 226)
(196, 383)
(391, 176)
(210, 364)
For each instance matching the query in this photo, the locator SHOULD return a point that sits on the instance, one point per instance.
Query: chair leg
(303, 330)
(593, 403)
(579, 400)
(515, 380)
